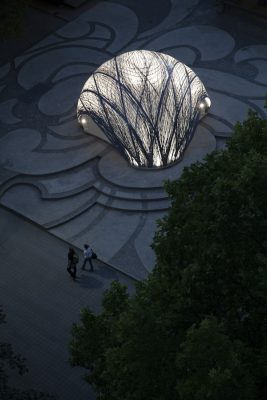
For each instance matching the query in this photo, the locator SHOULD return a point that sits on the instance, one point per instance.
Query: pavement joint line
(106, 263)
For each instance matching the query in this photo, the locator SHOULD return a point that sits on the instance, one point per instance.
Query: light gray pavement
(42, 301)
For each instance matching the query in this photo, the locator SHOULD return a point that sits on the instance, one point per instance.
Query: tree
(11, 360)
(197, 327)
(211, 365)
(101, 329)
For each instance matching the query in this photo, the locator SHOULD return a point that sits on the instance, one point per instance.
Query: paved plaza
(41, 302)
(76, 188)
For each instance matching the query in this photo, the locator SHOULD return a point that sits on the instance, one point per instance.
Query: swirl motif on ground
(77, 186)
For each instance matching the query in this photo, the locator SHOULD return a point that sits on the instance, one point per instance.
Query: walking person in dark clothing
(87, 253)
(72, 261)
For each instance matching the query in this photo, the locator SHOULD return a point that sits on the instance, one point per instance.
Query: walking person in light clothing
(87, 253)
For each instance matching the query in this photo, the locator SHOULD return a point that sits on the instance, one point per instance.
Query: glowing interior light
(208, 102)
(147, 104)
(83, 121)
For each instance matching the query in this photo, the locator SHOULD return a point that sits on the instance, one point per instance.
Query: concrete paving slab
(133, 205)
(117, 170)
(68, 129)
(26, 199)
(63, 96)
(126, 194)
(6, 112)
(211, 42)
(227, 108)
(179, 10)
(46, 42)
(120, 20)
(228, 83)
(74, 70)
(54, 143)
(69, 182)
(109, 234)
(20, 154)
(251, 52)
(79, 226)
(75, 29)
(39, 68)
(183, 54)
(42, 302)
(261, 66)
(216, 124)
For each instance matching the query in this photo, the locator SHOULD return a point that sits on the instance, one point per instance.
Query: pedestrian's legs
(91, 264)
(88, 259)
(69, 268)
(72, 270)
(84, 262)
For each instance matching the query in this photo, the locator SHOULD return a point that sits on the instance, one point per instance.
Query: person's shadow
(106, 273)
(88, 281)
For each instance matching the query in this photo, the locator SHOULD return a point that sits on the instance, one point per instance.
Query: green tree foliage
(210, 365)
(197, 327)
(14, 361)
(91, 354)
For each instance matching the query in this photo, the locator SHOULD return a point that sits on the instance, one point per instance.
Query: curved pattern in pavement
(77, 186)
